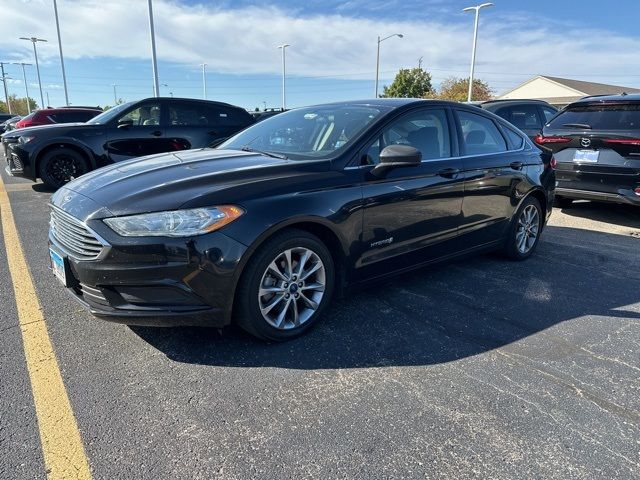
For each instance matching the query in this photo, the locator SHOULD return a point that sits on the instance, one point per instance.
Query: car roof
(192, 100)
(391, 102)
(67, 109)
(516, 100)
(623, 98)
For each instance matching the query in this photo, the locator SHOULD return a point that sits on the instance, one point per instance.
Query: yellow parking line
(64, 454)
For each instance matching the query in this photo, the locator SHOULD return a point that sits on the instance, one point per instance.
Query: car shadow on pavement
(612, 213)
(441, 314)
(42, 188)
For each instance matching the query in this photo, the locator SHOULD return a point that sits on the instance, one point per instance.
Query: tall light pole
(35, 40)
(26, 85)
(284, 76)
(380, 40)
(4, 82)
(115, 94)
(475, 39)
(154, 60)
(64, 75)
(204, 80)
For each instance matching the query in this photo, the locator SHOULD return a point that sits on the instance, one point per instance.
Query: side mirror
(396, 156)
(125, 123)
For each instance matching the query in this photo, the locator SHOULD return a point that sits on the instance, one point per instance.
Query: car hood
(187, 179)
(54, 127)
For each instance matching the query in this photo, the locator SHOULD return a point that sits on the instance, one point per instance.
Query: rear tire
(563, 202)
(60, 166)
(285, 287)
(524, 232)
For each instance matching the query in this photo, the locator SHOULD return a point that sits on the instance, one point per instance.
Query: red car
(48, 116)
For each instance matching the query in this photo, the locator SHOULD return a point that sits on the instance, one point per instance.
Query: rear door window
(203, 115)
(612, 116)
(480, 135)
(516, 140)
(548, 113)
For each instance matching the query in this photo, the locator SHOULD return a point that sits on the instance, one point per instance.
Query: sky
(332, 55)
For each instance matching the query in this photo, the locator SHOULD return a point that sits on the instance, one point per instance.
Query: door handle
(516, 165)
(449, 172)
(156, 133)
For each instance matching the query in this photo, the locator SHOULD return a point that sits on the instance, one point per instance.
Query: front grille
(73, 236)
(15, 165)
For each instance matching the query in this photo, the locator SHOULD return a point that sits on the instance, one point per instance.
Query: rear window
(600, 117)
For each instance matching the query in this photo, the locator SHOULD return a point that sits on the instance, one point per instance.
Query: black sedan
(59, 153)
(267, 227)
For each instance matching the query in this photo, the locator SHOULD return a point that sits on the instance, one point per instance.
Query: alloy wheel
(292, 288)
(528, 229)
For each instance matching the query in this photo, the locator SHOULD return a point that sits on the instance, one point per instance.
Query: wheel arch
(316, 226)
(71, 145)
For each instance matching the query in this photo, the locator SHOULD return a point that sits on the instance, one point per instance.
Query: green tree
(409, 83)
(18, 105)
(457, 89)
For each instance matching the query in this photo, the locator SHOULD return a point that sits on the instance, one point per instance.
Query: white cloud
(243, 41)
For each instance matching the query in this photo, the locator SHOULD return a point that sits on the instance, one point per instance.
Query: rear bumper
(623, 196)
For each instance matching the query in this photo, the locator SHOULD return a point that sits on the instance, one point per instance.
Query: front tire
(524, 232)
(285, 286)
(60, 166)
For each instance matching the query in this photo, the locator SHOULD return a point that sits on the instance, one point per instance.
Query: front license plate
(586, 156)
(57, 265)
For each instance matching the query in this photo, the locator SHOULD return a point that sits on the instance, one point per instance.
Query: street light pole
(64, 75)
(380, 40)
(475, 40)
(4, 82)
(154, 60)
(35, 40)
(284, 76)
(204, 80)
(115, 95)
(26, 86)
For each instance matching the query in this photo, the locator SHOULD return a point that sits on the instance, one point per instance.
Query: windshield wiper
(247, 148)
(577, 125)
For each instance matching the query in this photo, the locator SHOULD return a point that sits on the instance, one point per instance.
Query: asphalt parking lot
(482, 368)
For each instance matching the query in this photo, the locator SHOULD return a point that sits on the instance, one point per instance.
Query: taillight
(540, 140)
(553, 163)
(637, 191)
(623, 141)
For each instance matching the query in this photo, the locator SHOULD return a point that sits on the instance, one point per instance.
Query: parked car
(11, 123)
(267, 226)
(58, 153)
(527, 115)
(12, 118)
(5, 116)
(596, 143)
(48, 116)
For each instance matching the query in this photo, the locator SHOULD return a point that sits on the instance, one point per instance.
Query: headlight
(25, 139)
(177, 223)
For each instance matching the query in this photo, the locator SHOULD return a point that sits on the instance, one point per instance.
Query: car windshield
(307, 133)
(610, 116)
(110, 114)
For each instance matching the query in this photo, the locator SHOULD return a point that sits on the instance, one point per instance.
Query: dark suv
(58, 153)
(596, 144)
(527, 115)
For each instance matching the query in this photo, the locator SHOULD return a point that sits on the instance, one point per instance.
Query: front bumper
(19, 161)
(160, 282)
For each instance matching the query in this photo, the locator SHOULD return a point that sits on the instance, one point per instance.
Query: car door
(137, 132)
(492, 171)
(196, 124)
(411, 212)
